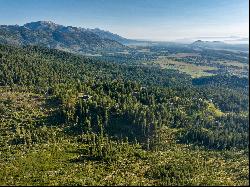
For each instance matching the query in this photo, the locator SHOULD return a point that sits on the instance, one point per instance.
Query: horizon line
(238, 36)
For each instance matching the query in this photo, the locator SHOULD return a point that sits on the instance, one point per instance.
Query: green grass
(191, 69)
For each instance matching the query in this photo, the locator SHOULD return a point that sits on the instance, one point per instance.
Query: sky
(158, 20)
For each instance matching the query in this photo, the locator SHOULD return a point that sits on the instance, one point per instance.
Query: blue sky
(139, 19)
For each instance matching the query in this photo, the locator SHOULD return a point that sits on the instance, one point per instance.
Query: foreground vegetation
(69, 120)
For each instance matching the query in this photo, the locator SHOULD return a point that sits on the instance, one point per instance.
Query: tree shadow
(82, 158)
(53, 109)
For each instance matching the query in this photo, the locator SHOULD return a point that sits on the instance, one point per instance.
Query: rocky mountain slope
(49, 34)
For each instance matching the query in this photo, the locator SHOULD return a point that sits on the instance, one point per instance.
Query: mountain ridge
(52, 35)
(201, 44)
(88, 41)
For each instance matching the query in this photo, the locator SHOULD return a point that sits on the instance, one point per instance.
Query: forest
(67, 119)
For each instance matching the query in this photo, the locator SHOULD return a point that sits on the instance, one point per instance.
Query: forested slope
(67, 119)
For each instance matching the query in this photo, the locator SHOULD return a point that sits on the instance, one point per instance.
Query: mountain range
(67, 38)
(81, 40)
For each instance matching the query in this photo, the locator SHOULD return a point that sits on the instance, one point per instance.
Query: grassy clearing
(232, 63)
(183, 55)
(217, 112)
(191, 69)
(235, 67)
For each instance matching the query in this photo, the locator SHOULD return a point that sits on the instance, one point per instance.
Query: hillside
(108, 35)
(219, 45)
(49, 34)
(71, 120)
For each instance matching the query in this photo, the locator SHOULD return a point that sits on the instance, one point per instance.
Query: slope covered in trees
(90, 122)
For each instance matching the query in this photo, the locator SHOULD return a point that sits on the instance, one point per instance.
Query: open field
(183, 55)
(191, 69)
(233, 64)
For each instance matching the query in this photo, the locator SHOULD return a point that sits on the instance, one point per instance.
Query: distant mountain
(207, 44)
(82, 40)
(67, 38)
(199, 44)
(108, 35)
(225, 39)
(238, 41)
